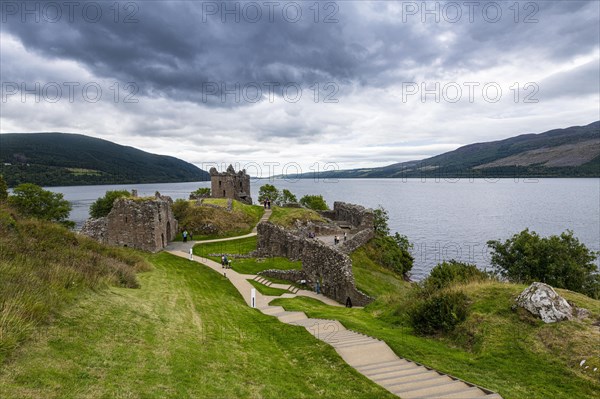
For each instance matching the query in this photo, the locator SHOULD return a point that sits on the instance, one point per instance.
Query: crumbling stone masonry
(142, 223)
(355, 216)
(230, 184)
(320, 263)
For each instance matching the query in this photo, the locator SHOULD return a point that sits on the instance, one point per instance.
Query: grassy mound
(186, 333)
(215, 221)
(44, 267)
(286, 217)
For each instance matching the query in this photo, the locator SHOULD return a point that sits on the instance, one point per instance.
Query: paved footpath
(370, 356)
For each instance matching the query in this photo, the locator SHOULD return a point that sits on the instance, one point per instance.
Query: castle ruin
(331, 266)
(230, 184)
(141, 223)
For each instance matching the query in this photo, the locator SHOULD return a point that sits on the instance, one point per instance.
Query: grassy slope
(287, 216)
(507, 351)
(265, 290)
(240, 221)
(244, 265)
(185, 333)
(44, 267)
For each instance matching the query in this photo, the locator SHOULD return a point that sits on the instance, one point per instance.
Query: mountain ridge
(57, 159)
(476, 160)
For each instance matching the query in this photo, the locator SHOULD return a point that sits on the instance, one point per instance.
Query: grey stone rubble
(141, 223)
(542, 301)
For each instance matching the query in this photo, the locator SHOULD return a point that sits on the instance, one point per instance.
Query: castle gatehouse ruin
(141, 223)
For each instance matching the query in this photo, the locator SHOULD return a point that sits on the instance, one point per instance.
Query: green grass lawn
(186, 333)
(287, 216)
(265, 290)
(509, 352)
(244, 265)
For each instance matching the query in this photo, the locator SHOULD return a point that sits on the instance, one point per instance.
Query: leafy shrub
(446, 273)
(103, 205)
(314, 202)
(391, 253)
(380, 222)
(560, 261)
(3, 189)
(439, 313)
(31, 200)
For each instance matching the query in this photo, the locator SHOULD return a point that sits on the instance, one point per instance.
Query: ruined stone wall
(327, 265)
(230, 184)
(356, 215)
(146, 224)
(357, 241)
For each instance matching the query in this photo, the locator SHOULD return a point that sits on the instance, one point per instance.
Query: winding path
(370, 356)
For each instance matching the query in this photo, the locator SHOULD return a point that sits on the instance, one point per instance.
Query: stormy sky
(275, 83)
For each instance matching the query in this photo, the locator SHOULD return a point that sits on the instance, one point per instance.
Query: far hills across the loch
(570, 152)
(62, 159)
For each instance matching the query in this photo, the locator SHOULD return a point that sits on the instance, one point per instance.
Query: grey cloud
(171, 52)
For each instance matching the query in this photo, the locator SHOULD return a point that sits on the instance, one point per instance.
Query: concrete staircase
(374, 359)
(291, 288)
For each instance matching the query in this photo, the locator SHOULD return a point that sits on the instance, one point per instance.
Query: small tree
(380, 221)
(314, 202)
(32, 200)
(103, 205)
(3, 190)
(287, 197)
(561, 261)
(202, 192)
(269, 191)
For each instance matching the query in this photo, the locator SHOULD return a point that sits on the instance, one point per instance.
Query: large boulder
(541, 300)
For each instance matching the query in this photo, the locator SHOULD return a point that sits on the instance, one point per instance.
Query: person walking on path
(185, 235)
(345, 236)
(191, 236)
(223, 261)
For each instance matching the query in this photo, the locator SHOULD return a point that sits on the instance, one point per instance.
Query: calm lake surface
(444, 220)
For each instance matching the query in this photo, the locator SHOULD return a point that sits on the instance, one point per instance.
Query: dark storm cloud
(176, 50)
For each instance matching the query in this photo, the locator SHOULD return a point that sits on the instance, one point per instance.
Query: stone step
(408, 372)
(422, 374)
(436, 390)
(410, 385)
(363, 354)
(379, 364)
(387, 375)
(390, 368)
(470, 393)
(353, 344)
(338, 335)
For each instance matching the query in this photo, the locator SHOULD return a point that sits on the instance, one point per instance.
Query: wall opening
(169, 238)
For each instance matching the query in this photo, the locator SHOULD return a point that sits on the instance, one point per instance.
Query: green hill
(61, 159)
(570, 152)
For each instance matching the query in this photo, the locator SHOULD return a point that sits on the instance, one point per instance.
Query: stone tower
(230, 184)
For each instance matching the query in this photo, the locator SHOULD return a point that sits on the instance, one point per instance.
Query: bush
(560, 261)
(314, 202)
(3, 190)
(439, 313)
(380, 221)
(391, 253)
(103, 205)
(446, 273)
(31, 200)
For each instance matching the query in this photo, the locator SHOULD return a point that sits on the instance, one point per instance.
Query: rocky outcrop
(320, 263)
(542, 301)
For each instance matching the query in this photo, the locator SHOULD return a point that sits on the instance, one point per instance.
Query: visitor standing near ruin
(185, 235)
